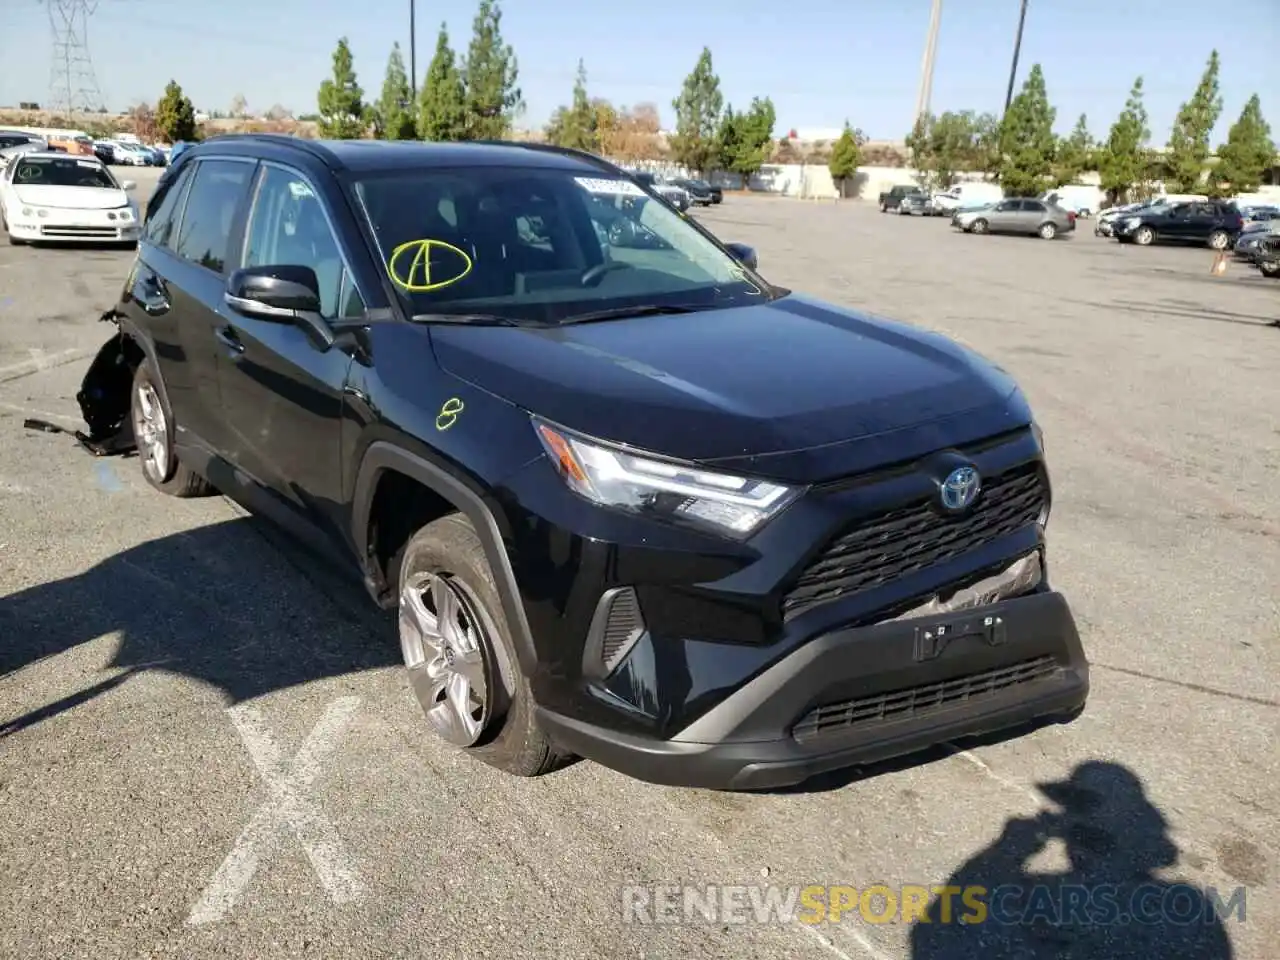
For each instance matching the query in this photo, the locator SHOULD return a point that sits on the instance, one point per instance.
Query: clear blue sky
(821, 61)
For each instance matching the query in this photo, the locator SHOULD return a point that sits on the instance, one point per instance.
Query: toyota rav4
(631, 501)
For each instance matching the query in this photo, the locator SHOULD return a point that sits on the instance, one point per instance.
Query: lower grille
(919, 701)
(883, 548)
(87, 232)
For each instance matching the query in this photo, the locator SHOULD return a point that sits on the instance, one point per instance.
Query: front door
(281, 393)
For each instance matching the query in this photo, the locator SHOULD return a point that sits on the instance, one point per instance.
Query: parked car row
(1213, 223)
(128, 153)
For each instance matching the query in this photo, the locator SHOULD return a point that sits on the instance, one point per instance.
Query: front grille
(919, 701)
(883, 548)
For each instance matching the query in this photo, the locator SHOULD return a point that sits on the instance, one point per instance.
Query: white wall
(812, 181)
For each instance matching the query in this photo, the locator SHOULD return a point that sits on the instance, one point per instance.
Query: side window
(288, 228)
(162, 219)
(216, 191)
(1033, 206)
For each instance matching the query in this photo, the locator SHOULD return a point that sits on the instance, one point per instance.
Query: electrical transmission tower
(73, 86)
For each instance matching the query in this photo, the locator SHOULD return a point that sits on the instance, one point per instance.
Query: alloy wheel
(445, 639)
(151, 430)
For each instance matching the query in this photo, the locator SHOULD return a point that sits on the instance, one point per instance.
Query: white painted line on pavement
(982, 765)
(285, 808)
(43, 414)
(41, 361)
(859, 938)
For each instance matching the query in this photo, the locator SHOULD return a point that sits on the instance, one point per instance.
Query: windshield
(61, 172)
(541, 245)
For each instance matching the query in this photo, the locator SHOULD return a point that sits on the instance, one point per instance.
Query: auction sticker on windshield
(614, 187)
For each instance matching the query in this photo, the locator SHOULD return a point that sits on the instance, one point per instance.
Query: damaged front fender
(106, 391)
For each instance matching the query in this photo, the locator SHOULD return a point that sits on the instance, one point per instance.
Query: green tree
(1026, 139)
(442, 110)
(1248, 153)
(940, 147)
(175, 115)
(341, 100)
(1188, 151)
(844, 158)
(698, 111)
(1124, 159)
(575, 126)
(728, 141)
(394, 113)
(1073, 154)
(750, 136)
(489, 78)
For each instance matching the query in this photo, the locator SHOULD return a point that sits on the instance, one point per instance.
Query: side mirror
(283, 293)
(744, 254)
(129, 185)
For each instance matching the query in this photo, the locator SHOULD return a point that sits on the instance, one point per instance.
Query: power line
(73, 85)
(926, 68)
(1017, 49)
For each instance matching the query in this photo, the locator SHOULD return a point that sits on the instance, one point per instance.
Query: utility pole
(413, 53)
(926, 66)
(1017, 48)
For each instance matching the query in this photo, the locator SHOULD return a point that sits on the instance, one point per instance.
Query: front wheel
(1144, 236)
(153, 432)
(978, 226)
(1218, 240)
(458, 651)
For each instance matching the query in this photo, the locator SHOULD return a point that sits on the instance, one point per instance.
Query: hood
(760, 387)
(72, 198)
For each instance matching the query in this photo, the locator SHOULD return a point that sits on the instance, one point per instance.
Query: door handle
(229, 339)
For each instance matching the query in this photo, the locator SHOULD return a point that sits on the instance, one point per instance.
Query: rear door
(281, 394)
(1004, 216)
(1031, 213)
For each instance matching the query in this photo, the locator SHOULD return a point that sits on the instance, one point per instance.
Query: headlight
(662, 489)
(124, 213)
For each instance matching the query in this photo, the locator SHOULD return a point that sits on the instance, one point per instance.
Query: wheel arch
(384, 457)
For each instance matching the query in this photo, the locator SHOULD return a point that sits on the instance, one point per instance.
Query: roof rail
(583, 155)
(279, 139)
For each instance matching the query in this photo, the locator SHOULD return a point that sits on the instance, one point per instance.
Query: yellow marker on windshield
(420, 265)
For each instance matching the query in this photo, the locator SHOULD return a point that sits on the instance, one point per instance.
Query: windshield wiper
(472, 319)
(622, 313)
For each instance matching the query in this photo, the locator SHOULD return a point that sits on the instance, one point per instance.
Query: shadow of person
(231, 604)
(1109, 903)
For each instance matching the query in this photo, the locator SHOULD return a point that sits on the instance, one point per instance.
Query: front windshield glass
(61, 172)
(541, 245)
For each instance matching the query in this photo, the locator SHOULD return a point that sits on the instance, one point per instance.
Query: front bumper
(85, 229)
(857, 696)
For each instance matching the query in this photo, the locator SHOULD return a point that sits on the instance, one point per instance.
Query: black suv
(1204, 222)
(631, 501)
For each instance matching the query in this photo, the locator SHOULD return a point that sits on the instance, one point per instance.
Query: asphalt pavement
(207, 747)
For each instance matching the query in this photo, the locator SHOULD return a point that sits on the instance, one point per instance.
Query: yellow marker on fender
(448, 415)
(422, 261)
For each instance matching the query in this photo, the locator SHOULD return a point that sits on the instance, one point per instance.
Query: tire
(502, 731)
(884, 207)
(1269, 269)
(1048, 231)
(153, 430)
(1219, 240)
(978, 226)
(1144, 236)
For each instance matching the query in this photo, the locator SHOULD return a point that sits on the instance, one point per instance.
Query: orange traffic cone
(1219, 264)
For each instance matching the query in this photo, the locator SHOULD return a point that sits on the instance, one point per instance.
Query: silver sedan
(1018, 216)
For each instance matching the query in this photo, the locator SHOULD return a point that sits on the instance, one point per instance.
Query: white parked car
(57, 197)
